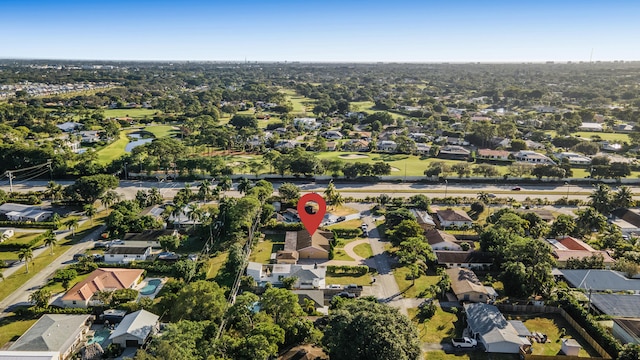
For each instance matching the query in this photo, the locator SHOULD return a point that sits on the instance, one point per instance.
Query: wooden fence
(531, 309)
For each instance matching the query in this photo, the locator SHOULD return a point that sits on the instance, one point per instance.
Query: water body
(138, 142)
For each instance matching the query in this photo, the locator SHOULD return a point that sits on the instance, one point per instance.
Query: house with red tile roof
(82, 294)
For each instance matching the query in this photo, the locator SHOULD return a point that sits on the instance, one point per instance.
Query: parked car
(334, 286)
(347, 295)
(464, 342)
(100, 245)
(353, 286)
(77, 257)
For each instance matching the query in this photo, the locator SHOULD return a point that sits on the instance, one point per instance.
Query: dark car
(77, 257)
(347, 295)
(517, 188)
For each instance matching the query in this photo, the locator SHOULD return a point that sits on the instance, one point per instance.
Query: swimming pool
(100, 337)
(151, 287)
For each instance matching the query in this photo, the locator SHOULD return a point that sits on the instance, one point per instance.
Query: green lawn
(132, 113)
(423, 282)
(339, 279)
(363, 250)
(215, 264)
(367, 107)
(551, 325)
(113, 150)
(56, 287)
(301, 104)
(350, 224)
(622, 137)
(340, 254)
(264, 249)
(22, 238)
(12, 329)
(441, 327)
(161, 131)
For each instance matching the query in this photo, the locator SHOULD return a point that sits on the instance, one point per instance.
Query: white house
(126, 254)
(453, 217)
(387, 146)
(487, 325)
(309, 276)
(532, 157)
(306, 123)
(589, 126)
(573, 158)
(332, 135)
(19, 212)
(69, 126)
(89, 136)
(423, 149)
(135, 329)
(440, 240)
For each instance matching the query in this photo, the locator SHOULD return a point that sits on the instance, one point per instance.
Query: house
(493, 155)
(568, 247)
(532, 157)
(623, 127)
(490, 328)
(440, 240)
(616, 305)
(454, 152)
(599, 280)
(309, 276)
(424, 219)
(332, 135)
(627, 220)
(331, 145)
(89, 136)
(465, 259)
(285, 144)
(626, 330)
(291, 216)
(82, 293)
(590, 126)
(55, 332)
(19, 212)
(356, 145)
(573, 158)
(453, 217)
(423, 149)
(126, 254)
(135, 329)
(30, 355)
(69, 126)
(305, 246)
(150, 236)
(387, 146)
(306, 123)
(466, 285)
(610, 146)
(316, 296)
(6, 233)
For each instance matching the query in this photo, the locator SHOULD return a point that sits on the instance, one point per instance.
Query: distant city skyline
(322, 31)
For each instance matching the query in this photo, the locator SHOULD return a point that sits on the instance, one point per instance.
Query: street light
(567, 183)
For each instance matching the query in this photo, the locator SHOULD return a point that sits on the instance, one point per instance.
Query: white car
(334, 286)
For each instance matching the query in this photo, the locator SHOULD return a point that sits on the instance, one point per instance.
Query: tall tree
(90, 211)
(109, 198)
(40, 297)
(50, 240)
(25, 254)
(600, 199)
(367, 330)
(72, 224)
(623, 198)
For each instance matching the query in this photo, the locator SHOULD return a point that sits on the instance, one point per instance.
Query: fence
(529, 309)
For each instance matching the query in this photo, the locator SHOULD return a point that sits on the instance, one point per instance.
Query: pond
(138, 140)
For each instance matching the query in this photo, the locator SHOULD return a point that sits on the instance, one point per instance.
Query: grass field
(367, 107)
(11, 329)
(132, 113)
(363, 280)
(423, 282)
(350, 224)
(363, 250)
(340, 254)
(551, 325)
(264, 249)
(441, 327)
(22, 238)
(161, 131)
(113, 150)
(621, 137)
(215, 264)
(300, 103)
(56, 287)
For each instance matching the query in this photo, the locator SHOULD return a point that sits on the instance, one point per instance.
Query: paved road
(21, 295)
(362, 190)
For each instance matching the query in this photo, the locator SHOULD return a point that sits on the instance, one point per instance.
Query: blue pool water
(151, 287)
(100, 337)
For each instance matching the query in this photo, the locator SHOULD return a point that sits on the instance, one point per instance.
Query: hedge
(284, 226)
(39, 311)
(599, 334)
(346, 269)
(33, 225)
(9, 246)
(346, 232)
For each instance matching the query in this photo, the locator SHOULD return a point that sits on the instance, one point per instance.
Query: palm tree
(225, 183)
(244, 185)
(90, 211)
(109, 198)
(483, 196)
(72, 224)
(204, 190)
(54, 190)
(188, 193)
(55, 219)
(50, 240)
(25, 254)
(333, 196)
(601, 199)
(155, 197)
(623, 198)
(40, 298)
(195, 213)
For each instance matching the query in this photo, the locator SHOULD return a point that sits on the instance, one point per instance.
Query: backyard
(405, 285)
(264, 249)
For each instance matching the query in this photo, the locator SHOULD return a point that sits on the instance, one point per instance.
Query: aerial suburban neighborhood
(359, 199)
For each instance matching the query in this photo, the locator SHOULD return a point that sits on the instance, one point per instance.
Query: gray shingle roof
(617, 305)
(600, 280)
(489, 322)
(138, 324)
(51, 333)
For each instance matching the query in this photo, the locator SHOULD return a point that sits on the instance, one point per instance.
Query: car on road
(517, 188)
(490, 195)
(464, 342)
(341, 218)
(364, 226)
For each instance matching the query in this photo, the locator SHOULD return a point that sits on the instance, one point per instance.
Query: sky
(322, 31)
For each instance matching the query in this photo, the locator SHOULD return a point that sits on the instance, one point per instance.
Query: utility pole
(10, 175)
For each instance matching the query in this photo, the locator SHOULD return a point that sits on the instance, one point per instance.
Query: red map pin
(311, 221)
